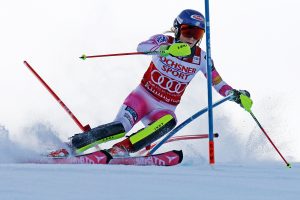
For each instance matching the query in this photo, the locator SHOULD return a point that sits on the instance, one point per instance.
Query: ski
(64, 152)
(169, 158)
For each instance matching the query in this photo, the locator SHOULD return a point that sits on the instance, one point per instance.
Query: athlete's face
(190, 34)
(189, 40)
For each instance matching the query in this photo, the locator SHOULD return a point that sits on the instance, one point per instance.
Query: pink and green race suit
(164, 83)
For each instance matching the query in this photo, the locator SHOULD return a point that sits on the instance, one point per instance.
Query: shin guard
(151, 133)
(98, 135)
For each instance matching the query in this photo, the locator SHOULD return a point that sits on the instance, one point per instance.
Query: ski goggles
(191, 31)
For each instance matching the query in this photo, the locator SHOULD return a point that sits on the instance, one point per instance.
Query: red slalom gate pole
(178, 138)
(190, 137)
(83, 128)
(260, 126)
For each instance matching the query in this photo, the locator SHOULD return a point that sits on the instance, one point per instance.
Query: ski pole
(246, 103)
(83, 57)
(186, 122)
(83, 128)
(260, 126)
(176, 49)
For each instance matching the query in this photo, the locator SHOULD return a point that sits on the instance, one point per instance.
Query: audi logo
(167, 83)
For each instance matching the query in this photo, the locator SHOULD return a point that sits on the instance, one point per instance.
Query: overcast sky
(255, 46)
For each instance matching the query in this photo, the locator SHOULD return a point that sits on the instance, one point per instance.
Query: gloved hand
(242, 97)
(163, 50)
(176, 49)
(237, 95)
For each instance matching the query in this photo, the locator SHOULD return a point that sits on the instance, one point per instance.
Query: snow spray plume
(246, 102)
(10, 151)
(255, 119)
(40, 137)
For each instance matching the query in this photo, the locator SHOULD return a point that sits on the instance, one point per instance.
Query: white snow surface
(222, 181)
(194, 178)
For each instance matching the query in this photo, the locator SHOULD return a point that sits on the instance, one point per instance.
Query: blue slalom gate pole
(186, 122)
(209, 86)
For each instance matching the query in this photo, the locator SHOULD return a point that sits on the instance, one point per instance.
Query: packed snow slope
(193, 179)
(259, 181)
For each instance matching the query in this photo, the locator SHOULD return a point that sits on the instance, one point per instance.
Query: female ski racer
(155, 99)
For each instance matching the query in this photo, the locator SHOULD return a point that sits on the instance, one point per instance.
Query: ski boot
(60, 153)
(121, 149)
